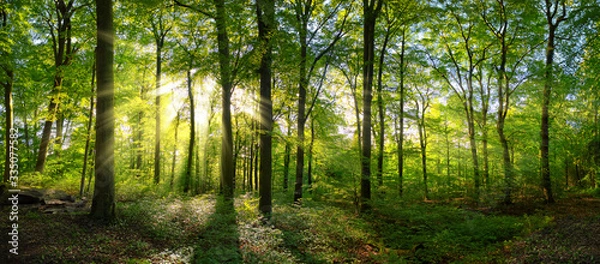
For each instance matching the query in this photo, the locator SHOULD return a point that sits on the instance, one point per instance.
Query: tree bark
(103, 205)
(265, 10)
(371, 10)
(63, 54)
(553, 23)
(226, 85)
(89, 129)
(192, 143)
(400, 142)
(381, 109)
(174, 158)
(302, 15)
(8, 106)
(286, 158)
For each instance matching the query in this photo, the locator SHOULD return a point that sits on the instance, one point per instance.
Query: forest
(300, 131)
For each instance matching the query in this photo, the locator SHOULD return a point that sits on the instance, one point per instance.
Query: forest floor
(205, 229)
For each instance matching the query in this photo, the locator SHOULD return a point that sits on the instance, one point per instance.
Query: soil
(71, 237)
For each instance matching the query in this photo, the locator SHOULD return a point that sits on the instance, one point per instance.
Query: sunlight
(176, 97)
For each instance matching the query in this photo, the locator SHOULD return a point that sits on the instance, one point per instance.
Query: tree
(371, 10)
(463, 54)
(160, 28)
(553, 20)
(227, 164)
(513, 46)
(6, 79)
(265, 12)
(103, 203)
(304, 12)
(63, 50)
(422, 103)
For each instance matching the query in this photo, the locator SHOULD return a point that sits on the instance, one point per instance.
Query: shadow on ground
(220, 241)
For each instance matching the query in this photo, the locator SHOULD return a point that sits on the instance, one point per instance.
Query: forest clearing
(300, 131)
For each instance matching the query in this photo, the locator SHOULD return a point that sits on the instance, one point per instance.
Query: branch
(329, 47)
(193, 8)
(320, 87)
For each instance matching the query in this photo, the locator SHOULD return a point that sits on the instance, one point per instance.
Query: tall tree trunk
(470, 113)
(157, 150)
(192, 143)
(89, 129)
(226, 85)
(174, 158)
(553, 23)
(371, 10)
(63, 54)
(265, 10)
(302, 15)
(381, 109)
(423, 145)
(252, 156)
(103, 205)
(288, 150)
(310, 154)
(400, 142)
(160, 31)
(8, 106)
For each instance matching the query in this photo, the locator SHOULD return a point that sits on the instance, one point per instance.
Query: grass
(207, 229)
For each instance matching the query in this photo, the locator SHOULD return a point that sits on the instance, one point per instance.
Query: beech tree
(265, 11)
(63, 47)
(103, 202)
(371, 10)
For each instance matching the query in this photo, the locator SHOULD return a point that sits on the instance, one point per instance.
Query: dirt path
(573, 237)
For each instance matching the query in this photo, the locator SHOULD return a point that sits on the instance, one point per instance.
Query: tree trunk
(157, 150)
(401, 114)
(381, 109)
(226, 85)
(303, 83)
(371, 11)
(310, 153)
(103, 205)
(286, 158)
(8, 106)
(265, 10)
(423, 145)
(192, 143)
(89, 130)
(546, 95)
(63, 54)
(174, 158)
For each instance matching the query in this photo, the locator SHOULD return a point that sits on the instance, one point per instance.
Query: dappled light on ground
(207, 229)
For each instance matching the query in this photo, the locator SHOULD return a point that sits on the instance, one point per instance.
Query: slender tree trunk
(503, 106)
(401, 114)
(226, 85)
(192, 143)
(157, 150)
(8, 106)
(551, 12)
(310, 154)
(252, 156)
(63, 54)
(174, 158)
(470, 111)
(89, 130)
(371, 9)
(286, 158)
(423, 145)
(265, 10)
(103, 205)
(303, 83)
(381, 109)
